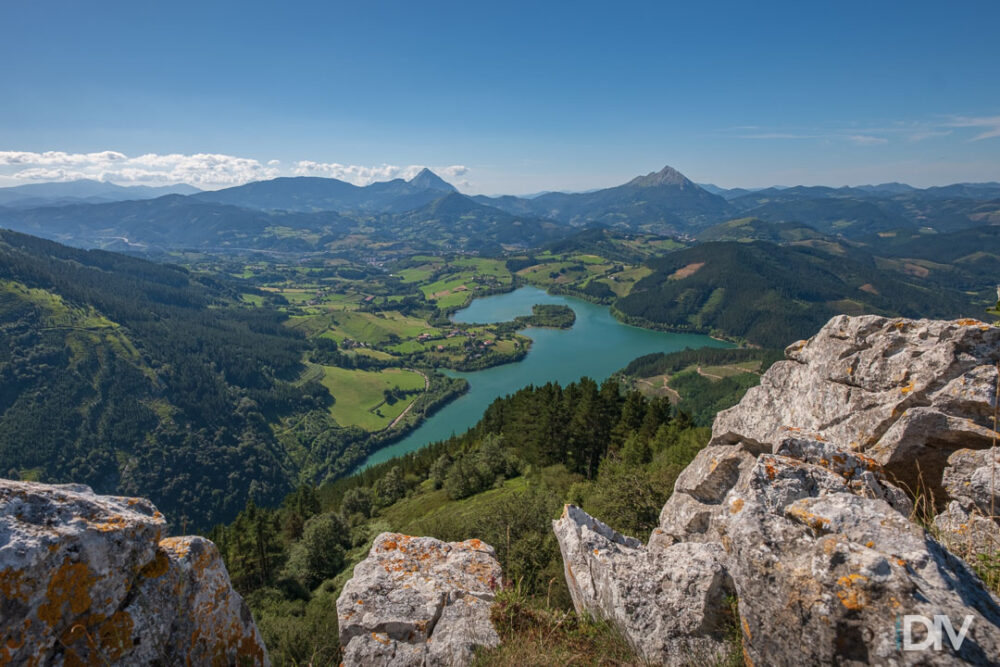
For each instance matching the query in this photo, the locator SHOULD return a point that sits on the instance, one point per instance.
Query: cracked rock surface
(794, 506)
(86, 579)
(419, 601)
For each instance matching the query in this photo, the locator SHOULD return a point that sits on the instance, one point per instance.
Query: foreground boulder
(907, 393)
(669, 602)
(87, 579)
(795, 507)
(419, 601)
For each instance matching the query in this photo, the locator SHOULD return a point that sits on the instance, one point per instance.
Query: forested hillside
(615, 453)
(771, 295)
(145, 379)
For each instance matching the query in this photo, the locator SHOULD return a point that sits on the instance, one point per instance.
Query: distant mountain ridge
(664, 202)
(308, 213)
(311, 193)
(84, 191)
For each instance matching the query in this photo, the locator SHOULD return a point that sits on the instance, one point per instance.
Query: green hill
(145, 379)
(772, 295)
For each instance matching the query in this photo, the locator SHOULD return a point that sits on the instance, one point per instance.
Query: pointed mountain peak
(666, 176)
(428, 180)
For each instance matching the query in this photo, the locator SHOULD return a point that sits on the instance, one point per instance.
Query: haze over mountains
(309, 213)
(84, 191)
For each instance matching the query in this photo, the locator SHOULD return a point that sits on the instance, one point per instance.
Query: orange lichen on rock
(850, 595)
(156, 567)
(814, 521)
(115, 635)
(70, 586)
(13, 585)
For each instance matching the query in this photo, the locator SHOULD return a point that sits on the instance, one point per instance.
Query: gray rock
(668, 602)
(970, 479)
(419, 601)
(821, 568)
(905, 392)
(791, 505)
(87, 579)
(966, 532)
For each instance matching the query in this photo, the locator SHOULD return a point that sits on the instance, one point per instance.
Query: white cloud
(58, 158)
(779, 135)
(206, 170)
(361, 175)
(867, 140)
(202, 169)
(921, 135)
(990, 125)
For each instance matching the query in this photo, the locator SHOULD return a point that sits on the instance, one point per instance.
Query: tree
(439, 470)
(391, 487)
(357, 501)
(324, 538)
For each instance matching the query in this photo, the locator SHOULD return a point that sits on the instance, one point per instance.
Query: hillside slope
(769, 294)
(141, 378)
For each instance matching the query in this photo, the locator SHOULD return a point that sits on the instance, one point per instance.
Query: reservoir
(596, 346)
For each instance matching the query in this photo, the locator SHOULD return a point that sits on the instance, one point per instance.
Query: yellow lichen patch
(814, 521)
(850, 595)
(13, 585)
(115, 635)
(177, 546)
(388, 545)
(908, 388)
(968, 322)
(736, 506)
(746, 627)
(156, 567)
(70, 586)
(380, 638)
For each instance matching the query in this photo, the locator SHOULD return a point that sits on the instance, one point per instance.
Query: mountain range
(84, 191)
(310, 213)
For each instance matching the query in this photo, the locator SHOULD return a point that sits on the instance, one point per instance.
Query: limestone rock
(971, 522)
(967, 532)
(973, 478)
(668, 602)
(907, 393)
(816, 565)
(86, 579)
(419, 601)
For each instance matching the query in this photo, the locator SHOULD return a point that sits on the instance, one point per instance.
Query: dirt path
(673, 395)
(708, 375)
(427, 385)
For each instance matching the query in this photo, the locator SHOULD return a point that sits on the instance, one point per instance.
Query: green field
(357, 393)
(374, 328)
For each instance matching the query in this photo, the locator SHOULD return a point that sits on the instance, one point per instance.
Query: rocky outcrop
(796, 500)
(669, 602)
(88, 579)
(419, 601)
(907, 393)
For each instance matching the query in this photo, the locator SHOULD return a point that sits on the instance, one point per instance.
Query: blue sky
(501, 97)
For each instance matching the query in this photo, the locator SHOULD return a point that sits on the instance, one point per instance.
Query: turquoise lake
(596, 346)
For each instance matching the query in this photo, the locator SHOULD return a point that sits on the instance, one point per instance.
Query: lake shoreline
(597, 345)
